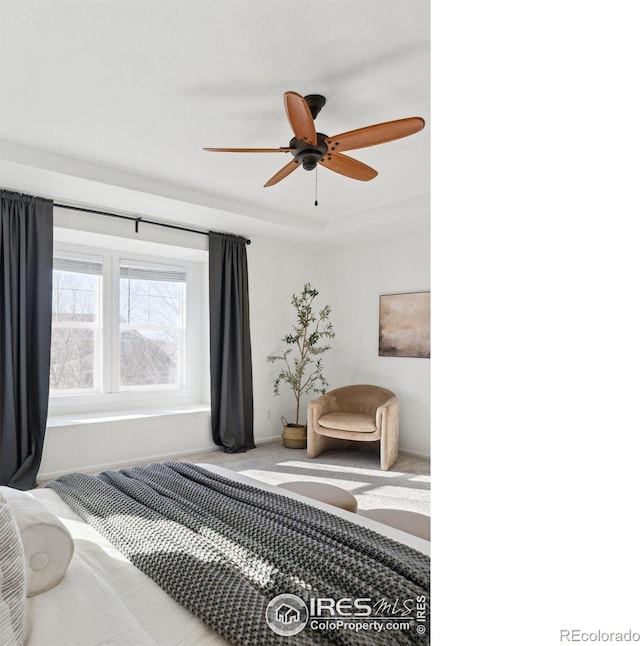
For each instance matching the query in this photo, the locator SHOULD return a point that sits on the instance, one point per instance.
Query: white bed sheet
(105, 600)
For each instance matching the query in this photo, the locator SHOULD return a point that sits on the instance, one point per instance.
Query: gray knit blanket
(224, 549)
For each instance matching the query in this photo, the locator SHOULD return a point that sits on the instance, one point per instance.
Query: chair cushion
(349, 422)
(329, 494)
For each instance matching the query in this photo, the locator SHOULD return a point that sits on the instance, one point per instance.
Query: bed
(104, 599)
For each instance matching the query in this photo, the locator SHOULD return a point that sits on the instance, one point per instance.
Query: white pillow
(47, 543)
(12, 580)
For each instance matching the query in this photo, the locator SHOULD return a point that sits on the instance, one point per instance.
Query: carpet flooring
(406, 486)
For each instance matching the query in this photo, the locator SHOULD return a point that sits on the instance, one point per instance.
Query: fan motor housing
(315, 102)
(306, 155)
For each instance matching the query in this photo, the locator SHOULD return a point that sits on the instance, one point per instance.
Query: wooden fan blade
(377, 134)
(300, 118)
(283, 172)
(250, 150)
(348, 166)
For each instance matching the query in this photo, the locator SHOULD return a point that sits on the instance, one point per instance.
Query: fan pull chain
(316, 202)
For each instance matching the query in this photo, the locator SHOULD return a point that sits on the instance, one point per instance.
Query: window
(124, 327)
(152, 324)
(76, 324)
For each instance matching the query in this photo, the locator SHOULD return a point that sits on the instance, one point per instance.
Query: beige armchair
(360, 413)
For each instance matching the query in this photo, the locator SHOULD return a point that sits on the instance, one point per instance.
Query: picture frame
(405, 325)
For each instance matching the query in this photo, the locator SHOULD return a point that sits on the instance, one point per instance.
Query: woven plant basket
(294, 436)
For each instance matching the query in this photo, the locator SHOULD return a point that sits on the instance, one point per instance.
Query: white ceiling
(109, 104)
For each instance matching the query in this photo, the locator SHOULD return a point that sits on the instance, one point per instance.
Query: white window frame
(182, 341)
(97, 327)
(112, 397)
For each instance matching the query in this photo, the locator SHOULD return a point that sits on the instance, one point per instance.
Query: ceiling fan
(310, 148)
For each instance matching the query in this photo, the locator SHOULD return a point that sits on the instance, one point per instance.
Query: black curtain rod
(138, 220)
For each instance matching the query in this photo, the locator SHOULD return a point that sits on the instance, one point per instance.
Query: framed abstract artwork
(405, 325)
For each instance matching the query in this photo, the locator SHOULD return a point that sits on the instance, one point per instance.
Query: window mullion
(105, 330)
(183, 338)
(115, 324)
(109, 384)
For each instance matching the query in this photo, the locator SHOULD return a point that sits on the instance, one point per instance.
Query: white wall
(106, 441)
(352, 279)
(276, 271)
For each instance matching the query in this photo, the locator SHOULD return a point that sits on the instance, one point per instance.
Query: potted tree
(301, 360)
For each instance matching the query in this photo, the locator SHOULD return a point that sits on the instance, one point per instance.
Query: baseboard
(264, 440)
(415, 454)
(125, 463)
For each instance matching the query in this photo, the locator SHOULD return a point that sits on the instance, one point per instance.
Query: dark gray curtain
(26, 265)
(230, 344)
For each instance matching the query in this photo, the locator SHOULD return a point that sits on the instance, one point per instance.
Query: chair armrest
(388, 413)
